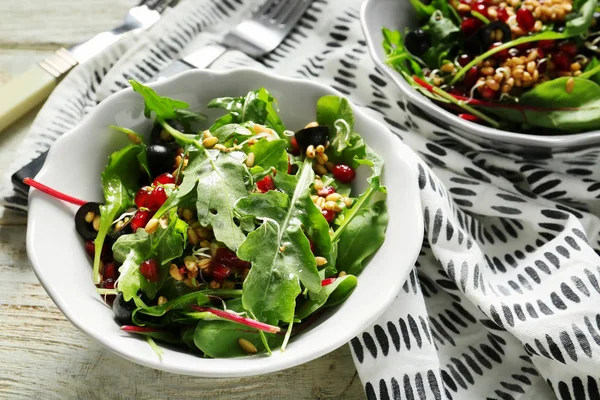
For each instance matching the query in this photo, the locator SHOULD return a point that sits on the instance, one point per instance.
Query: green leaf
(442, 29)
(119, 185)
(225, 132)
(178, 303)
(549, 105)
(396, 54)
(330, 295)
(131, 250)
(335, 113)
(580, 24)
(594, 63)
(279, 251)
(164, 107)
(363, 235)
(269, 154)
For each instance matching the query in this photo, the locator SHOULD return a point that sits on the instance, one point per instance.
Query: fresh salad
(229, 240)
(521, 65)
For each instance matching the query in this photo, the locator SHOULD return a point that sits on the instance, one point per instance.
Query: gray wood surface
(43, 356)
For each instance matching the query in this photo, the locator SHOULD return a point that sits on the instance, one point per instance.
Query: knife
(202, 58)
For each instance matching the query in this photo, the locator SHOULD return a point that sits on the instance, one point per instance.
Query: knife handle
(23, 93)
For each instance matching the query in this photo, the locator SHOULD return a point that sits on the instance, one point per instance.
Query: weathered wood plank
(43, 356)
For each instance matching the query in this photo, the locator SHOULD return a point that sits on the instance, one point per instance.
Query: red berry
(140, 219)
(503, 14)
(149, 269)
(562, 61)
(343, 173)
(481, 9)
(164, 179)
(488, 93)
(157, 198)
(327, 281)
(326, 191)
(266, 184)
(110, 271)
(525, 19)
(569, 48)
(90, 248)
(221, 272)
(471, 77)
(464, 59)
(470, 25)
(546, 44)
(329, 215)
(502, 54)
(141, 197)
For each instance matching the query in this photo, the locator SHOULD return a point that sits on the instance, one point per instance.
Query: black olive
(157, 129)
(316, 135)
(161, 158)
(86, 229)
(417, 42)
(123, 309)
(487, 34)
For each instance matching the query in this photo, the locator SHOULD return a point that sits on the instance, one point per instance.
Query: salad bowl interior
(74, 165)
(400, 15)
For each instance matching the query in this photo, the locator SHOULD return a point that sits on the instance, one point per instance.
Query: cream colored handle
(23, 93)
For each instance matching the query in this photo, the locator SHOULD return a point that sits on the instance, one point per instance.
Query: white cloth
(503, 302)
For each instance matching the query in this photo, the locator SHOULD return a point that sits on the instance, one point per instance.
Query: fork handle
(23, 93)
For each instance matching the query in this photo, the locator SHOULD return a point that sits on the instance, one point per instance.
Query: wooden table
(41, 354)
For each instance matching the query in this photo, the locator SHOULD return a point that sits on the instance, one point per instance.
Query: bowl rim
(548, 142)
(247, 369)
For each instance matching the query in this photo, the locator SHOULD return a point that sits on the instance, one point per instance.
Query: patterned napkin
(504, 300)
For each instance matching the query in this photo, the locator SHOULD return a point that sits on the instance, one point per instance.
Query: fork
(256, 36)
(29, 89)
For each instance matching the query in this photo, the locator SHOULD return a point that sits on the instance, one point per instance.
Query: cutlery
(255, 36)
(29, 89)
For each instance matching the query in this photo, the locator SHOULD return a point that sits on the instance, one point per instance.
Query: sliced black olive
(316, 135)
(161, 158)
(417, 42)
(155, 135)
(489, 35)
(123, 309)
(86, 229)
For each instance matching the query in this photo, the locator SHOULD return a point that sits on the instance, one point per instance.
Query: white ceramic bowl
(400, 14)
(74, 165)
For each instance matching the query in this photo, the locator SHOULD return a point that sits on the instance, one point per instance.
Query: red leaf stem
(54, 193)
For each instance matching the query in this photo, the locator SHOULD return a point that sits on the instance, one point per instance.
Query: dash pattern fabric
(504, 299)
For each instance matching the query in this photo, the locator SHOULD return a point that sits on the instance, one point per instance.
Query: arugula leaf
(442, 29)
(397, 56)
(164, 107)
(584, 16)
(362, 236)
(131, 250)
(330, 295)
(549, 105)
(279, 251)
(119, 185)
(594, 63)
(225, 132)
(332, 109)
(269, 154)
(196, 298)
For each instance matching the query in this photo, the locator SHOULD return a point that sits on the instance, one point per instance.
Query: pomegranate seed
(525, 46)
(157, 198)
(469, 117)
(471, 77)
(488, 93)
(108, 283)
(140, 219)
(562, 61)
(568, 48)
(326, 191)
(229, 258)
(90, 248)
(329, 215)
(164, 179)
(110, 271)
(343, 173)
(503, 14)
(457, 90)
(542, 66)
(464, 59)
(295, 149)
(183, 271)
(221, 272)
(141, 197)
(502, 54)
(312, 245)
(470, 25)
(266, 184)
(481, 9)
(149, 269)
(525, 19)
(546, 44)
(327, 281)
